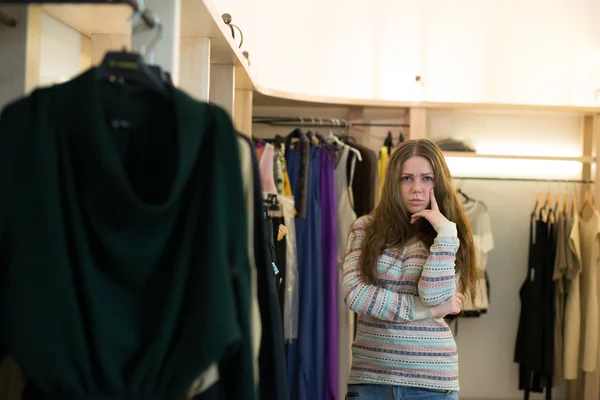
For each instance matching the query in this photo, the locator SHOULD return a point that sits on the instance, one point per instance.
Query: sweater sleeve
(438, 281)
(368, 299)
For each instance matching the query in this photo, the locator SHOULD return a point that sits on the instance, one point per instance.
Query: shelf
(270, 97)
(460, 154)
(199, 18)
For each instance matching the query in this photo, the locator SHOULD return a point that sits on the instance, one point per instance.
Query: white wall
(486, 345)
(513, 51)
(60, 58)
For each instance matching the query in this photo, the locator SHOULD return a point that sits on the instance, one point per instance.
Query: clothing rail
(485, 178)
(149, 18)
(8, 21)
(318, 121)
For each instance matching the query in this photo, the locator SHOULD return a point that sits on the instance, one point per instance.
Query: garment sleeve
(368, 299)
(236, 373)
(438, 281)
(572, 325)
(485, 230)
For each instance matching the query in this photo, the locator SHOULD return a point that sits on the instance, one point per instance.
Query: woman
(406, 266)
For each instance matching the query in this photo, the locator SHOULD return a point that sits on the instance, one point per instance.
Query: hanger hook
(145, 18)
(157, 37)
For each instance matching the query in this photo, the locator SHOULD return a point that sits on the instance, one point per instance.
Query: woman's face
(416, 182)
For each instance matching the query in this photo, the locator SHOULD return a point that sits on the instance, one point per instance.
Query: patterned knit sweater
(397, 341)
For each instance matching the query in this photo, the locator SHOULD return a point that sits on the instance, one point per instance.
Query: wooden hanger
(574, 209)
(566, 207)
(588, 201)
(539, 203)
(548, 209)
(558, 206)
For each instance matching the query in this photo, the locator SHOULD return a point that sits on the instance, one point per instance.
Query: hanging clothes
(205, 386)
(290, 283)
(123, 210)
(345, 208)
(534, 346)
(245, 151)
(572, 324)
(345, 218)
(588, 383)
(560, 268)
(307, 371)
(294, 165)
(282, 181)
(304, 356)
(266, 157)
(365, 180)
(483, 238)
(300, 185)
(272, 378)
(384, 159)
(330, 272)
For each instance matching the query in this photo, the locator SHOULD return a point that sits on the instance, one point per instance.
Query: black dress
(535, 341)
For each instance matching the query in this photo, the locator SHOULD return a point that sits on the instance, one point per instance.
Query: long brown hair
(390, 223)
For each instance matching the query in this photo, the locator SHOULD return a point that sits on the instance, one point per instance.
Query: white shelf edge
(303, 99)
(459, 154)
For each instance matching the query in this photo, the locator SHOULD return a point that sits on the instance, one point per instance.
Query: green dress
(123, 252)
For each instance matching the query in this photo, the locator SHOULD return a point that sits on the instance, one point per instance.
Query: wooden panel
(102, 43)
(222, 87)
(587, 139)
(357, 115)
(90, 19)
(194, 67)
(596, 136)
(14, 60)
(199, 18)
(34, 47)
(418, 123)
(242, 111)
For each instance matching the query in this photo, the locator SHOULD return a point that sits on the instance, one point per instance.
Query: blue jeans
(389, 392)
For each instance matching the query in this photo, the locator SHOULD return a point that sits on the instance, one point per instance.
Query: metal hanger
(334, 139)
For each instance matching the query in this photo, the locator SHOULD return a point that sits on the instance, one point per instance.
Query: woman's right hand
(451, 307)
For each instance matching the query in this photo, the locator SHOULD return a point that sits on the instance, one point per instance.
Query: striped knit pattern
(391, 346)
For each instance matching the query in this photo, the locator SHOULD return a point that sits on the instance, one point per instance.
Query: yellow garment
(287, 186)
(384, 159)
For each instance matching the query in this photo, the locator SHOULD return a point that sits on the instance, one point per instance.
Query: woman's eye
(428, 178)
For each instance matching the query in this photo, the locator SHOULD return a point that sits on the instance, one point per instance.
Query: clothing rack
(314, 122)
(485, 178)
(138, 7)
(8, 21)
